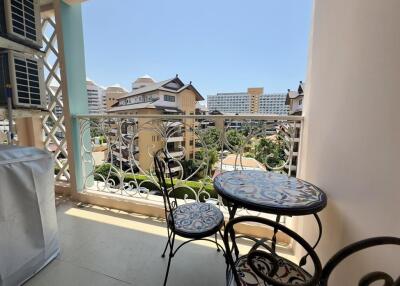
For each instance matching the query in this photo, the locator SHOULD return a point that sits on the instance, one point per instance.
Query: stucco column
(351, 136)
(73, 76)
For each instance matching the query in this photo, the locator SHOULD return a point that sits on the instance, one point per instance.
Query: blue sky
(219, 45)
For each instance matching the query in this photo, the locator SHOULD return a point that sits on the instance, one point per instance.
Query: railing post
(73, 83)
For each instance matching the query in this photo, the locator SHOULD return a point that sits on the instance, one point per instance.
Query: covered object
(28, 225)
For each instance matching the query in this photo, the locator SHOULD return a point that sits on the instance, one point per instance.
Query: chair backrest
(229, 235)
(162, 163)
(369, 278)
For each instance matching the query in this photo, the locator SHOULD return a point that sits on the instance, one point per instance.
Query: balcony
(175, 139)
(110, 213)
(257, 142)
(177, 154)
(108, 247)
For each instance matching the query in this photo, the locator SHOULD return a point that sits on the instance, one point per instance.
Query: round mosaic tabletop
(270, 192)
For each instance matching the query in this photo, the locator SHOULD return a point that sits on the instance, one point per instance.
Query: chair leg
(171, 254)
(166, 245)
(216, 242)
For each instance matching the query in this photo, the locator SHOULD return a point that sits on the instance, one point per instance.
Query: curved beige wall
(351, 139)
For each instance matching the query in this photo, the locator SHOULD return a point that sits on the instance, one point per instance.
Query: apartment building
(149, 97)
(294, 99)
(96, 97)
(114, 92)
(252, 101)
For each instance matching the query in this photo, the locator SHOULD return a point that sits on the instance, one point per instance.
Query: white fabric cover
(28, 224)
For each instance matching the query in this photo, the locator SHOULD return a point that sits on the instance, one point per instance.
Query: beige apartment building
(255, 93)
(114, 92)
(149, 97)
(253, 101)
(294, 99)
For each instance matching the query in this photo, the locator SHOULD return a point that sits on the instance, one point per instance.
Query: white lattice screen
(53, 124)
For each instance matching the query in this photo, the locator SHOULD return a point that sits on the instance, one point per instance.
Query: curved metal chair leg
(171, 254)
(216, 242)
(166, 245)
(165, 249)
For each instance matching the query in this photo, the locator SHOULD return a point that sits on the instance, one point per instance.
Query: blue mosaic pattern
(270, 191)
(288, 272)
(197, 218)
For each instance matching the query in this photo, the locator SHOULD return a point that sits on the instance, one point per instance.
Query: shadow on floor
(100, 246)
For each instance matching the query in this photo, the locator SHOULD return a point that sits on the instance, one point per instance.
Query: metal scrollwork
(370, 278)
(117, 151)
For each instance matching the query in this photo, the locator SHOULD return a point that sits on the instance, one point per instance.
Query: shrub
(180, 191)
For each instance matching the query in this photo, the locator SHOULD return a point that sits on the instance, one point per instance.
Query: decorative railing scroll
(118, 158)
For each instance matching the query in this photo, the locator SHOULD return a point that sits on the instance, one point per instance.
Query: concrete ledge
(62, 188)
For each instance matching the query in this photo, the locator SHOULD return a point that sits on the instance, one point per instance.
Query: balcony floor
(107, 247)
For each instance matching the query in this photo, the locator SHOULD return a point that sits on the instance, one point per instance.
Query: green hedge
(179, 192)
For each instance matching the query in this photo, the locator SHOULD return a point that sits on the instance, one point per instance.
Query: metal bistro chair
(195, 221)
(262, 265)
(369, 278)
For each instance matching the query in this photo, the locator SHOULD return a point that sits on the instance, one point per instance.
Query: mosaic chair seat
(194, 220)
(262, 265)
(287, 272)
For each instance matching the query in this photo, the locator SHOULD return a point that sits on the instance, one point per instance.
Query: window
(300, 101)
(170, 98)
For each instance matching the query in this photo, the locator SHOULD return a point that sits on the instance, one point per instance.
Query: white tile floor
(106, 247)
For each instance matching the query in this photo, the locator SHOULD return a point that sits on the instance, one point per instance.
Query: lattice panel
(53, 124)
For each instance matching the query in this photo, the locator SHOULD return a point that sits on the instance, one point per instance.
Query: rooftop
(162, 85)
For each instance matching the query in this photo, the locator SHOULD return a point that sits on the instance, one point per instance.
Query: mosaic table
(272, 193)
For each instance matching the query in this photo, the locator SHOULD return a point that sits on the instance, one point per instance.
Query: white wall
(351, 146)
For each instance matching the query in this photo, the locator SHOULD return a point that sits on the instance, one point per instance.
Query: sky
(219, 45)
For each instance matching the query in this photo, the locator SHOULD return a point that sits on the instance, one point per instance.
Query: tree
(211, 137)
(189, 167)
(95, 128)
(270, 152)
(207, 156)
(235, 139)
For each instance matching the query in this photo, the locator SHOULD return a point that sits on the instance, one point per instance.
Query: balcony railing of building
(117, 151)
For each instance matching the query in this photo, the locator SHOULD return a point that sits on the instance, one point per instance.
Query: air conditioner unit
(24, 74)
(20, 21)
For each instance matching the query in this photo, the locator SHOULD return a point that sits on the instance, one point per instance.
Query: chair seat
(288, 272)
(197, 220)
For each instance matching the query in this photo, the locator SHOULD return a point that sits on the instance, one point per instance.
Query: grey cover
(28, 224)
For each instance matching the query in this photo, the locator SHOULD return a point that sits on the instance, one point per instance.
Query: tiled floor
(106, 247)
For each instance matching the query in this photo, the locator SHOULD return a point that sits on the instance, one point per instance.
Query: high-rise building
(252, 101)
(96, 97)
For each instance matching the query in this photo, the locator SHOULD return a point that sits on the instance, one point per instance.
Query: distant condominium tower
(252, 101)
(96, 97)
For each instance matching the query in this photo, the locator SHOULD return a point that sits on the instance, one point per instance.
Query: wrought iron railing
(117, 150)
